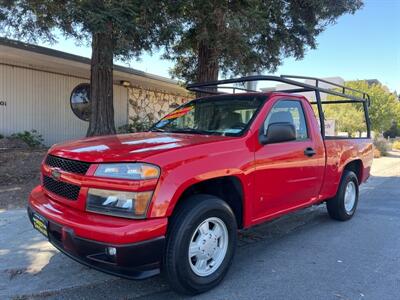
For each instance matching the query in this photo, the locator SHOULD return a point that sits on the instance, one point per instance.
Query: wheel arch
(356, 166)
(228, 188)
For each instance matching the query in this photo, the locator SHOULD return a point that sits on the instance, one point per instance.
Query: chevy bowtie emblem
(55, 174)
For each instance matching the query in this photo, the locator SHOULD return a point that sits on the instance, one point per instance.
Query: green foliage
(137, 125)
(241, 37)
(136, 25)
(385, 106)
(349, 118)
(31, 138)
(393, 131)
(1, 136)
(384, 109)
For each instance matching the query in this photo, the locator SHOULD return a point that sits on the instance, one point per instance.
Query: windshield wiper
(192, 130)
(154, 129)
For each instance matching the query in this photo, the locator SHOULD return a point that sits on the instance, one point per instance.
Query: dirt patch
(19, 174)
(12, 143)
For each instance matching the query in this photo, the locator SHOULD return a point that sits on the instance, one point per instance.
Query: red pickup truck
(173, 198)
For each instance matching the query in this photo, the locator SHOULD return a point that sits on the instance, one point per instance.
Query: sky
(365, 45)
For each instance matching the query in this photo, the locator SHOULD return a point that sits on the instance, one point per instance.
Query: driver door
(287, 174)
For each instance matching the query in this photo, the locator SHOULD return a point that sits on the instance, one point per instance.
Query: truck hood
(128, 147)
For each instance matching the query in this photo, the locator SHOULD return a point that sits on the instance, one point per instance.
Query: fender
(349, 150)
(168, 193)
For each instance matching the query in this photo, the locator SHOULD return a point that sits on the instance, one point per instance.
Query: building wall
(149, 106)
(309, 95)
(41, 100)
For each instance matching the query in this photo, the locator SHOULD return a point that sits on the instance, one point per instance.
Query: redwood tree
(114, 28)
(230, 37)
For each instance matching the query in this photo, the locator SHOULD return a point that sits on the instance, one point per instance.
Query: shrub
(1, 136)
(136, 125)
(31, 138)
(377, 153)
(382, 145)
(393, 131)
(396, 145)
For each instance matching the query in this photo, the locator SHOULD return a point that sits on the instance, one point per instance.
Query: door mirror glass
(278, 132)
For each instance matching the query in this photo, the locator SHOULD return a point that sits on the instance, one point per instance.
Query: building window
(80, 101)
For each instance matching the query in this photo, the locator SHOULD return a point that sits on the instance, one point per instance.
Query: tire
(184, 230)
(342, 207)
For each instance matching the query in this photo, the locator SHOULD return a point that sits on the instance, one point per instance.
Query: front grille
(63, 189)
(68, 165)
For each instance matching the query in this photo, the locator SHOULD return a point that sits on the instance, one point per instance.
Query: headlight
(118, 203)
(134, 171)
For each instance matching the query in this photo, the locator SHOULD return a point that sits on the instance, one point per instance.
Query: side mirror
(278, 132)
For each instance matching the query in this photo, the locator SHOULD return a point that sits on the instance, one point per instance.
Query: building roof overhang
(49, 60)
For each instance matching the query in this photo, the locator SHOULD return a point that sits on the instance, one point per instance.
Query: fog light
(111, 251)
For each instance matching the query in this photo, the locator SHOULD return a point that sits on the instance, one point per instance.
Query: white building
(36, 85)
(309, 95)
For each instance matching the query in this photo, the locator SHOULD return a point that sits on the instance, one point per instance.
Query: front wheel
(343, 206)
(200, 245)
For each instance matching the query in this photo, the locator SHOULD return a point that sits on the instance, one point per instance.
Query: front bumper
(132, 260)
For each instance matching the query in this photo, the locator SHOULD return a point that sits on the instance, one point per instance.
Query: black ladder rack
(357, 96)
(212, 87)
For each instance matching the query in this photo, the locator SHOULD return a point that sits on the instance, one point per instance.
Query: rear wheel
(200, 245)
(343, 206)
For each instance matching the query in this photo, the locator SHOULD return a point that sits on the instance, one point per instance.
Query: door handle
(309, 152)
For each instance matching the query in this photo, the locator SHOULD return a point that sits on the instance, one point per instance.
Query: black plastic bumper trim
(137, 261)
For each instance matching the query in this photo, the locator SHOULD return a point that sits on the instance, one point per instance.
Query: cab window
(288, 111)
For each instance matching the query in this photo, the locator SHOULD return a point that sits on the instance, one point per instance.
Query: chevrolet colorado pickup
(173, 198)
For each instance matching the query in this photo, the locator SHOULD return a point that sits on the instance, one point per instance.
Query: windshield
(223, 115)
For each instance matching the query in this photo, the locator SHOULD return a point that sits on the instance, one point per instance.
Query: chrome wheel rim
(208, 246)
(350, 196)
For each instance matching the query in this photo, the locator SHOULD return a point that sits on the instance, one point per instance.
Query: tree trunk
(101, 85)
(207, 66)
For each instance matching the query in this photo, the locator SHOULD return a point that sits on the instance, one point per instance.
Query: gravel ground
(19, 174)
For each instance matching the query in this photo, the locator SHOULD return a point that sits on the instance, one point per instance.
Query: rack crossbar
(287, 79)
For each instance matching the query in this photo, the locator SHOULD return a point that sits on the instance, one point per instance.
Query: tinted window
(80, 101)
(222, 115)
(289, 111)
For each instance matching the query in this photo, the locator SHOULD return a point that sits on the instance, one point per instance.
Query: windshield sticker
(178, 113)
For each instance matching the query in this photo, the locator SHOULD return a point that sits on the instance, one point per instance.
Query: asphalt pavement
(305, 255)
